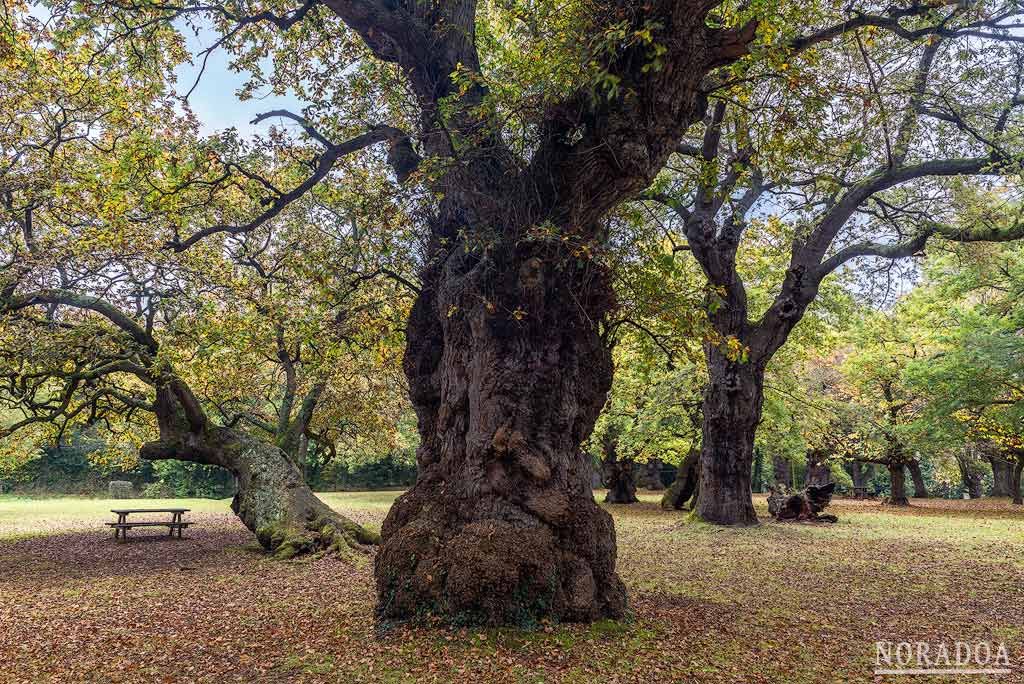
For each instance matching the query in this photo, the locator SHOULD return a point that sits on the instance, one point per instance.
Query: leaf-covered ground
(776, 603)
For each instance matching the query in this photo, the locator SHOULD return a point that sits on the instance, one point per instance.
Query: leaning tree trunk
(272, 500)
(507, 372)
(686, 485)
(898, 484)
(732, 409)
(920, 490)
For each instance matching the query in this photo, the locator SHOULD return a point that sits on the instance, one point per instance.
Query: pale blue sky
(215, 101)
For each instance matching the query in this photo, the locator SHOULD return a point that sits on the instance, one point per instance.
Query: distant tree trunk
(818, 474)
(619, 477)
(1015, 483)
(861, 473)
(652, 475)
(971, 479)
(686, 485)
(273, 500)
(732, 409)
(782, 474)
(973, 484)
(758, 484)
(1002, 474)
(920, 490)
(897, 484)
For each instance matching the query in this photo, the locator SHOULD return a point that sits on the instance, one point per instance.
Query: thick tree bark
(1018, 469)
(920, 490)
(732, 409)
(898, 484)
(686, 485)
(506, 365)
(507, 372)
(272, 500)
(1002, 474)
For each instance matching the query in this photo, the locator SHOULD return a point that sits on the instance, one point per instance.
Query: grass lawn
(775, 603)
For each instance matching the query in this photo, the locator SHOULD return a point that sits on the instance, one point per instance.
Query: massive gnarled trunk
(272, 500)
(732, 409)
(920, 490)
(507, 372)
(506, 365)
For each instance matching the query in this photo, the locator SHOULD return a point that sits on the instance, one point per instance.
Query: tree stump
(803, 506)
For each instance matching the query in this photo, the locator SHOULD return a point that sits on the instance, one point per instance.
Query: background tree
(506, 363)
(882, 347)
(91, 300)
(893, 160)
(973, 376)
(649, 418)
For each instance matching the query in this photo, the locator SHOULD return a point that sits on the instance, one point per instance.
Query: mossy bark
(501, 526)
(274, 502)
(273, 499)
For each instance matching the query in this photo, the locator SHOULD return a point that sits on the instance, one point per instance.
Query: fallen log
(803, 506)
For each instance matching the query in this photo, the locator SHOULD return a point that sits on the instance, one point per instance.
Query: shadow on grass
(94, 554)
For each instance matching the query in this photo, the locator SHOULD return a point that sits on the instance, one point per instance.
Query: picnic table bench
(122, 525)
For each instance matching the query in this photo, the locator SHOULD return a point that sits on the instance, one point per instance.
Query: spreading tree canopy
(512, 135)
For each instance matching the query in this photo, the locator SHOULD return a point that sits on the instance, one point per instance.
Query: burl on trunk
(507, 372)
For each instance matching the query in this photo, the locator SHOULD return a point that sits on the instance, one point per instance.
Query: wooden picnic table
(122, 525)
